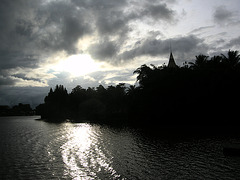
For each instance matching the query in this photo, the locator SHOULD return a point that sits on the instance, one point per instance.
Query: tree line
(201, 93)
(93, 104)
(17, 110)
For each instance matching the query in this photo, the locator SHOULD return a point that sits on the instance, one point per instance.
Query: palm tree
(215, 62)
(201, 61)
(216, 59)
(232, 59)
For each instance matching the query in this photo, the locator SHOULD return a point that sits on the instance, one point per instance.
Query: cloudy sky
(92, 42)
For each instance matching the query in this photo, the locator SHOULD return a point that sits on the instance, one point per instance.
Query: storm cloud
(32, 30)
(224, 16)
(159, 11)
(183, 47)
(104, 50)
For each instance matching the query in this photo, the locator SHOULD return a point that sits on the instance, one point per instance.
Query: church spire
(171, 62)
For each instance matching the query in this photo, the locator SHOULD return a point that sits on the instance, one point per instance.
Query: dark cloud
(100, 5)
(200, 29)
(223, 16)
(24, 77)
(17, 23)
(24, 28)
(20, 79)
(234, 43)
(183, 47)
(159, 11)
(107, 16)
(33, 30)
(104, 50)
(6, 81)
(17, 31)
(13, 59)
(112, 23)
(189, 45)
(63, 24)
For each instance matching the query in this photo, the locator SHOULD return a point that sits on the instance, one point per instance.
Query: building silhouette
(171, 62)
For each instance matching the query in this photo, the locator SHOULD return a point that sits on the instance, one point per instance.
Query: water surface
(32, 149)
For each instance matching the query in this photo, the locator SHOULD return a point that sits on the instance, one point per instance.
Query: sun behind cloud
(78, 65)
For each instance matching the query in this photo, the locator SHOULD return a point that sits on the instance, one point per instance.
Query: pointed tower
(171, 62)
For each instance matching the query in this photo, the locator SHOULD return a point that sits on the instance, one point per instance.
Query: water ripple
(39, 150)
(83, 156)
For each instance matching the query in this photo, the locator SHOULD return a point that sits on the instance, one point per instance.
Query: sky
(92, 42)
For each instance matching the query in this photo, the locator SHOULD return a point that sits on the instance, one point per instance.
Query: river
(33, 149)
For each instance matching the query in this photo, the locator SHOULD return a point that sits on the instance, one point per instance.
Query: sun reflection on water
(83, 155)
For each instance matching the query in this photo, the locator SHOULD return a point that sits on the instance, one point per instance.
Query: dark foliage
(17, 110)
(93, 104)
(204, 93)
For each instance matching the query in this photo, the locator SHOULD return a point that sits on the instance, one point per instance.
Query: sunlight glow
(73, 151)
(78, 65)
(83, 154)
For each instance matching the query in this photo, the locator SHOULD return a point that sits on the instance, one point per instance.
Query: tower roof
(171, 62)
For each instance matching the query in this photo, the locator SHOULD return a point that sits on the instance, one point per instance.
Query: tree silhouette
(144, 72)
(131, 90)
(201, 61)
(232, 59)
(198, 93)
(56, 104)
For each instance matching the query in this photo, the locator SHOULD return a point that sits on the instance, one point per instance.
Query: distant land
(17, 110)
